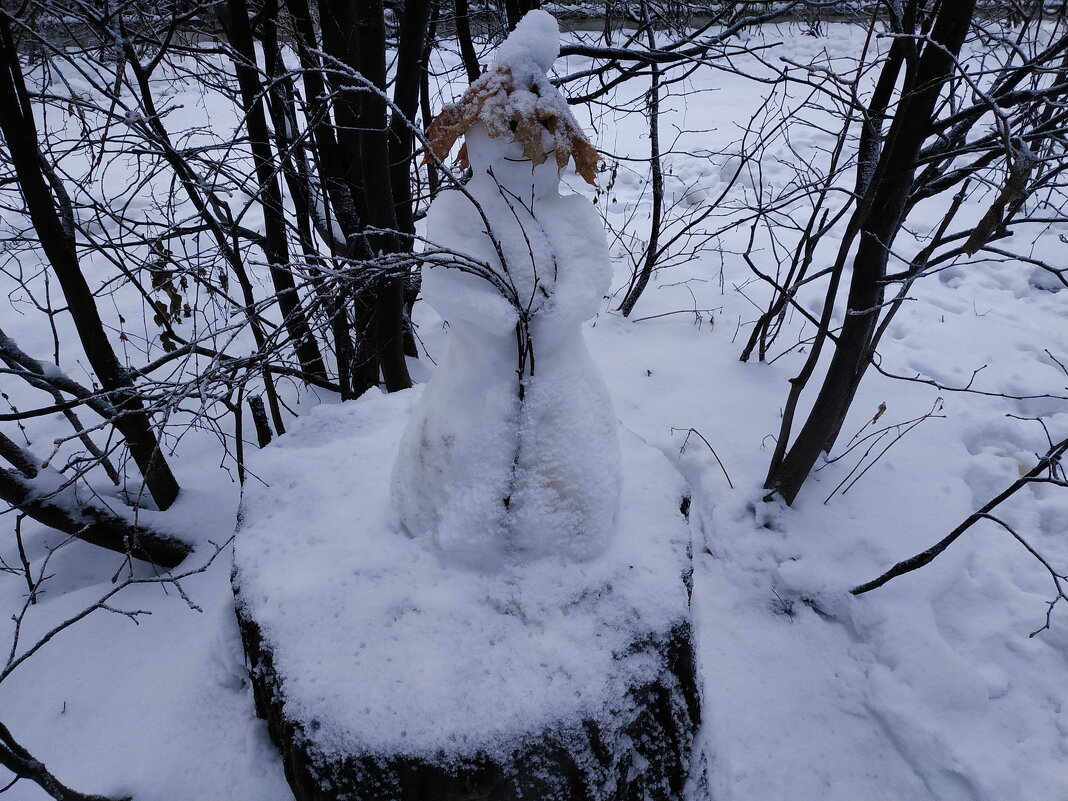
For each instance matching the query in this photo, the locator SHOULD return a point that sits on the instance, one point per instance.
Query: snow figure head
(514, 119)
(512, 453)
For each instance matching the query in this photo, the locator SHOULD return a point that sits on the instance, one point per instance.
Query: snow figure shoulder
(513, 453)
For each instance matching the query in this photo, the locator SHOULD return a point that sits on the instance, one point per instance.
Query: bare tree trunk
(338, 202)
(56, 236)
(880, 216)
(641, 276)
(516, 9)
(354, 34)
(462, 21)
(379, 199)
(276, 245)
(411, 53)
(424, 95)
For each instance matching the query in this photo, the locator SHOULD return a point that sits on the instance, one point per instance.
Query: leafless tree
(942, 119)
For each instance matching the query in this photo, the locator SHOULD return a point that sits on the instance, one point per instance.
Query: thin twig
(690, 431)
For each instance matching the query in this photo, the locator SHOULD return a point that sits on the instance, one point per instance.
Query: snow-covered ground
(927, 688)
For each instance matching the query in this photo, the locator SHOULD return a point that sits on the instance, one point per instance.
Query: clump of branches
(944, 105)
(310, 188)
(662, 45)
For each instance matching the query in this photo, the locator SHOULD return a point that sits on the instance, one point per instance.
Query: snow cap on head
(535, 39)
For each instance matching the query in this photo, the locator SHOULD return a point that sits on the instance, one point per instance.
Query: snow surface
(431, 657)
(929, 688)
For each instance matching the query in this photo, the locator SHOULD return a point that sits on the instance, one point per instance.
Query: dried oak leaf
(456, 118)
(526, 122)
(528, 132)
(585, 158)
(443, 132)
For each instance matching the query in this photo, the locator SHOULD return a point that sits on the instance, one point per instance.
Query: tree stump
(384, 672)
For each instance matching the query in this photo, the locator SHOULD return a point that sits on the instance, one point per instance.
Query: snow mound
(385, 649)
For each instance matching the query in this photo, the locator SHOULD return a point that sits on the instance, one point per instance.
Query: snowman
(512, 452)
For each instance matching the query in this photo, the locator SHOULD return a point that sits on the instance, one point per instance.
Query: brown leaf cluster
(526, 122)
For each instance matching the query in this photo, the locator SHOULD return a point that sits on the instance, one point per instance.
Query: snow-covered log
(644, 754)
(386, 672)
(60, 509)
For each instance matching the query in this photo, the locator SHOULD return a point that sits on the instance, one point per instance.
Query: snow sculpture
(512, 452)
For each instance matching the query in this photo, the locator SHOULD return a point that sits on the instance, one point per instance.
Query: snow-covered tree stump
(385, 673)
(501, 611)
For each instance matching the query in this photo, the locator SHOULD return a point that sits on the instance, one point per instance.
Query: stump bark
(648, 755)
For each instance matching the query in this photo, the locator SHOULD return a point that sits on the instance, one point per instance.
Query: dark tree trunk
(338, 19)
(276, 244)
(331, 167)
(412, 53)
(297, 163)
(57, 238)
(338, 198)
(880, 216)
(462, 21)
(516, 9)
(379, 203)
(410, 67)
(355, 35)
(642, 275)
(425, 111)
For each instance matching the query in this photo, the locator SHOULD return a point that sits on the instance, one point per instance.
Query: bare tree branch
(1049, 463)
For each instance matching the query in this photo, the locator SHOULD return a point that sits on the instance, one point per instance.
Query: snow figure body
(512, 453)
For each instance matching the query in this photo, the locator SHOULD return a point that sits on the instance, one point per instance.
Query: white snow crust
(391, 650)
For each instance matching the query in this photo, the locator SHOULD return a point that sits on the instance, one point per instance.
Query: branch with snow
(44, 495)
(1048, 470)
